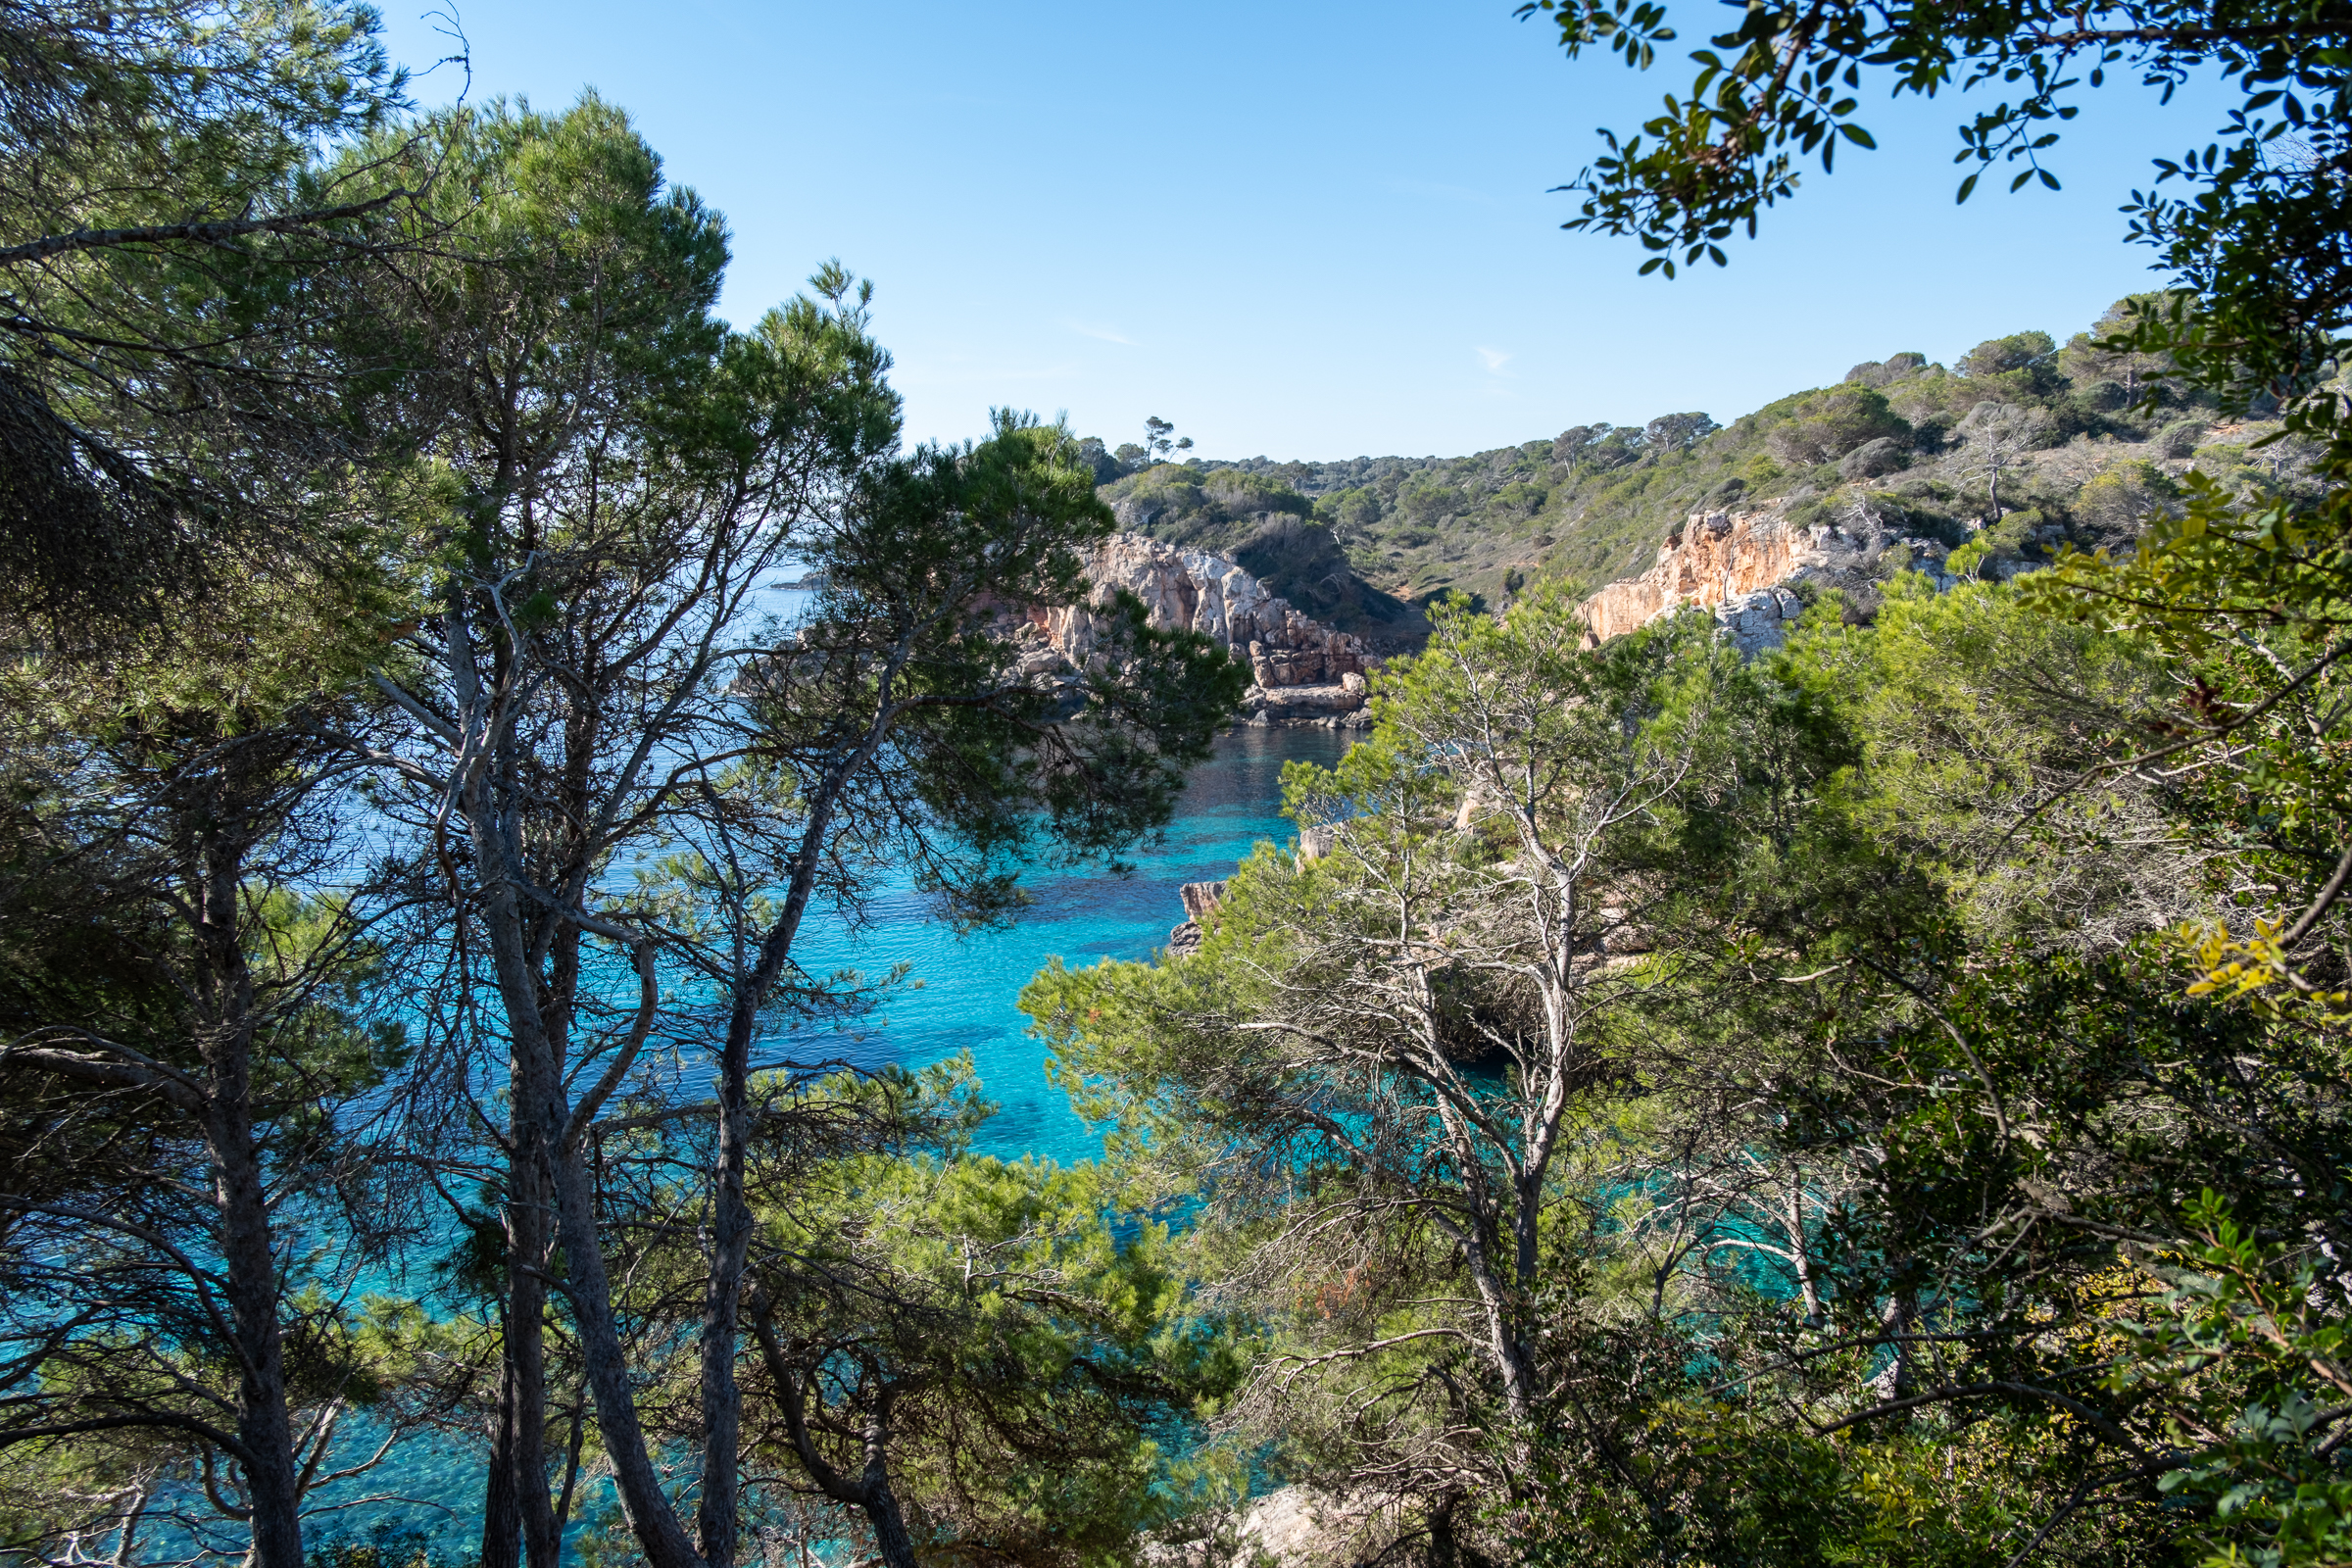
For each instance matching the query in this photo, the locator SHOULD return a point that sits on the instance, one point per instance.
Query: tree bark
(502, 1523)
(872, 1491)
(590, 1290)
(540, 1119)
(526, 1349)
(881, 1503)
(718, 1520)
(263, 1425)
(717, 1523)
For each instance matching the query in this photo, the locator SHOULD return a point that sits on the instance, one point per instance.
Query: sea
(961, 994)
(964, 987)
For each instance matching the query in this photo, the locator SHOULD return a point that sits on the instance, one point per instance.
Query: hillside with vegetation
(2037, 444)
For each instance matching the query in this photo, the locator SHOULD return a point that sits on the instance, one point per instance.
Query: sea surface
(964, 987)
(961, 997)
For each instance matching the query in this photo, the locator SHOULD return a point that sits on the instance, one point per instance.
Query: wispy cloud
(1101, 334)
(1495, 359)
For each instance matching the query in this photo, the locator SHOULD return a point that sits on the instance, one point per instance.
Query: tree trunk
(717, 1523)
(526, 1349)
(1510, 1361)
(539, 1115)
(891, 1540)
(264, 1424)
(1893, 1381)
(502, 1523)
(871, 1491)
(1799, 1253)
(1445, 1534)
(590, 1290)
(519, 1520)
(881, 1503)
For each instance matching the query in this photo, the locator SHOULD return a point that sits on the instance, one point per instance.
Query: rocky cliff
(1302, 669)
(1717, 558)
(1750, 569)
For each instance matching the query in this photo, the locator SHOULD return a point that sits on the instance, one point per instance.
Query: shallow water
(964, 1000)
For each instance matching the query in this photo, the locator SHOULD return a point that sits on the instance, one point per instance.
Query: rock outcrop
(1718, 557)
(1303, 670)
(1200, 898)
(1747, 567)
(1299, 1528)
(1201, 901)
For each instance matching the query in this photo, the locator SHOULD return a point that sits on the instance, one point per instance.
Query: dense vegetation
(1881, 1102)
(1718, 1114)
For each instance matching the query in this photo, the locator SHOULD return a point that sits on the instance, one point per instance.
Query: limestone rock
(1740, 566)
(1719, 557)
(1755, 622)
(1191, 590)
(1185, 940)
(1302, 704)
(1200, 898)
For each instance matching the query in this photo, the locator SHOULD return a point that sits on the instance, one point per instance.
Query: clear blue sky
(1295, 227)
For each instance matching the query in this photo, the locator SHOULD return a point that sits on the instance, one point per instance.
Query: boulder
(1300, 704)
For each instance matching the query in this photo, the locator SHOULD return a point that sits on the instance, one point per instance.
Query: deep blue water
(963, 998)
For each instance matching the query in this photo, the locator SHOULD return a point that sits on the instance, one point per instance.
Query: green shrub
(1829, 425)
(387, 1545)
(2179, 438)
(2026, 361)
(2117, 505)
(2012, 536)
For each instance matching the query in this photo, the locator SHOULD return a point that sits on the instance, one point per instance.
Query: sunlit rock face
(1744, 567)
(1302, 669)
(1720, 557)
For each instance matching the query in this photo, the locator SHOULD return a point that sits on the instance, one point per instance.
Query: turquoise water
(962, 998)
(968, 984)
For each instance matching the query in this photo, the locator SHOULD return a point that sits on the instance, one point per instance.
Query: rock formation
(1718, 557)
(1303, 670)
(1200, 898)
(1743, 564)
